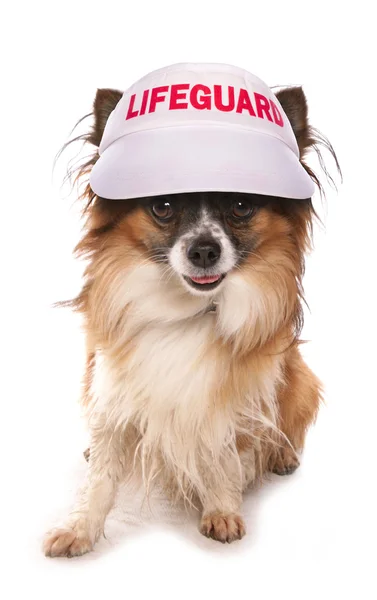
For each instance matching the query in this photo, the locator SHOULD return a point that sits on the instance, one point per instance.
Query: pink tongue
(207, 279)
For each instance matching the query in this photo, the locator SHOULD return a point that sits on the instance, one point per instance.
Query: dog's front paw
(223, 527)
(66, 542)
(285, 462)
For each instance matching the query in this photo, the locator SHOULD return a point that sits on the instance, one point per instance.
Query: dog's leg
(298, 400)
(86, 522)
(221, 519)
(88, 381)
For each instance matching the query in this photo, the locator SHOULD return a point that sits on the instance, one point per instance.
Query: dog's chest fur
(166, 380)
(178, 389)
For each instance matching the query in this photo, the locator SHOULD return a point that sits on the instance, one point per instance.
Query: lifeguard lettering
(203, 101)
(244, 103)
(144, 102)
(156, 96)
(176, 95)
(219, 98)
(263, 106)
(202, 97)
(131, 112)
(276, 114)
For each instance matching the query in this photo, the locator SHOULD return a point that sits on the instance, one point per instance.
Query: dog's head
(175, 255)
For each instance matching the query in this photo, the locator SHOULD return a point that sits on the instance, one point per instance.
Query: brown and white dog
(192, 312)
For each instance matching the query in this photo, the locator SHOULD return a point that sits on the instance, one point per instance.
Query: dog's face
(172, 256)
(203, 237)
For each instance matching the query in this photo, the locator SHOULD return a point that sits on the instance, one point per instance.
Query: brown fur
(299, 399)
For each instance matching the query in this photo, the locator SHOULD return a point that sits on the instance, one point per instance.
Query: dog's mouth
(205, 283)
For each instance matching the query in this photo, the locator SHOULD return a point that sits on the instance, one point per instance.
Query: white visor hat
(199, 128)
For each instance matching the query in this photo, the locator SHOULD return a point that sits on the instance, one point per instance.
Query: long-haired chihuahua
(198, 217)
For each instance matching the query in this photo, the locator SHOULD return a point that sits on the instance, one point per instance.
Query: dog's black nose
(204, 253)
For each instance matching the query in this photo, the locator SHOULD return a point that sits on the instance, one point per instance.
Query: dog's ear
(295, 106)
(104, 103)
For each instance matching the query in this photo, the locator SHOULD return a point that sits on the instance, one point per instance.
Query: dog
(192, 308)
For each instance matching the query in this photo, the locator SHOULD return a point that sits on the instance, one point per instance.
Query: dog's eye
(162, 210)
(241, 210)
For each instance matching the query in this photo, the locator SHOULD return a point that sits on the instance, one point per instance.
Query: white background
(310, 535)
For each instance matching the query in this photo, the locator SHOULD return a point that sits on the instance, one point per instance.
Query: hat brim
(174, 160)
